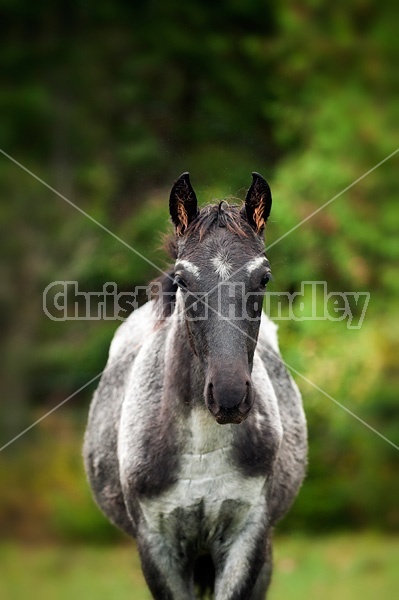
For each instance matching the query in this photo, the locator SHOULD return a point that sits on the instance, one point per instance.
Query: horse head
(220, 276)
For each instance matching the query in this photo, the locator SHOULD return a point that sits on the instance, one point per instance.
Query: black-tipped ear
(258, 203)
(182, 203)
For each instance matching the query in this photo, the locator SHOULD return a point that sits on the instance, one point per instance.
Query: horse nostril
(229, 403)
(211, 399)
(246, 404)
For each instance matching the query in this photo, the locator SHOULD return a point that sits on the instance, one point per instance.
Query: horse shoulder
(291, 461)
(134, 331)
(101, 437)
(148, 444)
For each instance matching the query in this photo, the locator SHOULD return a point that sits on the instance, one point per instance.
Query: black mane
(220, 215)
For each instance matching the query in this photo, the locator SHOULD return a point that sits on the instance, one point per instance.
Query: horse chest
(210, 493)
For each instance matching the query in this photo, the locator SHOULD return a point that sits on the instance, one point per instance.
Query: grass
(348, 567)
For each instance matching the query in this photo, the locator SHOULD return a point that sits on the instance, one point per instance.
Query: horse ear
(258, 203)
(182, 203)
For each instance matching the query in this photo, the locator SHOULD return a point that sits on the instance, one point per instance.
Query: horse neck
(184, 379)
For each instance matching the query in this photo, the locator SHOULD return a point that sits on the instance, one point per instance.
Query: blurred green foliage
(108, 103)
(337, 566)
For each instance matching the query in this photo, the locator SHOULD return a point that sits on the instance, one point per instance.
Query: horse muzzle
(229, 401)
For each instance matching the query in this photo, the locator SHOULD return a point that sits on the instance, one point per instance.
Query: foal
(196, 440)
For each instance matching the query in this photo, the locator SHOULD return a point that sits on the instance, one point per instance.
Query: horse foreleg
(264, 578)
(165, 572)
(245, 571)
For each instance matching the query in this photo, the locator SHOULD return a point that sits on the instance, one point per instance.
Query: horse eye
(179, 281)
(265, 280)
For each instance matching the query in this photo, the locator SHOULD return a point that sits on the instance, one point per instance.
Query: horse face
(221, 285)
(221, 273)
